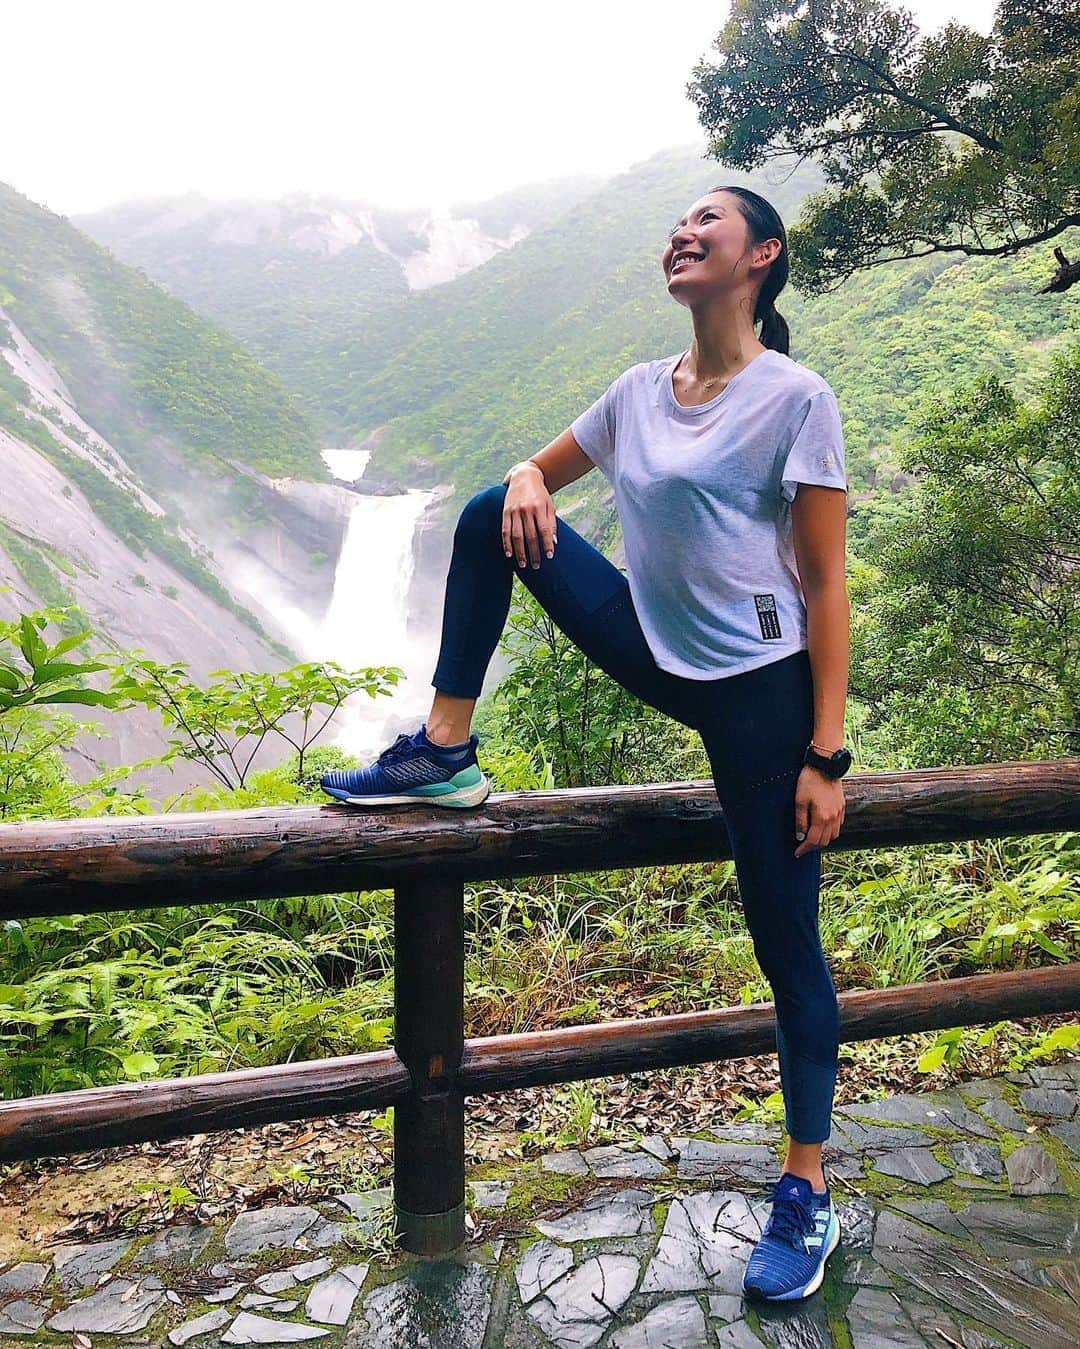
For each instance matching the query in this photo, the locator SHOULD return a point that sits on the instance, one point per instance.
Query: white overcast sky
(423, 103)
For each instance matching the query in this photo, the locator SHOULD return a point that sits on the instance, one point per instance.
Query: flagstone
(332, 1298)
(1049, 1101)
(676, 1324)
(24, 1277)
(577, 1309)
(81, 1265)
(201, 1325)
(21, 1317)
(251, 1329)
(275, 1228)
(624, 1214)
(701, 1159)
(1002, 1113)
(657, 1146)
(979, 1159)
(568, 1163)
(737, 1335)
(1069, 1134)
(180, 1245)
(114, 1309)
(705, 1244)
(915, 1164)
(540, 1265)
(1033, 1171)
(615, 1163)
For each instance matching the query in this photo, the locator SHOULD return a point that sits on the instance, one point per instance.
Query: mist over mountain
(295, 276)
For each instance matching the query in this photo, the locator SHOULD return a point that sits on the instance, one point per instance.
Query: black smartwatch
(834, 765)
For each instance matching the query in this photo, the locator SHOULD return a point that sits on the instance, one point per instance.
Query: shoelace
(401, 746)
(791, 1219)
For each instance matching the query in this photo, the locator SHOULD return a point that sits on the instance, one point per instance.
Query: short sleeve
(816, 454)
(594, 430)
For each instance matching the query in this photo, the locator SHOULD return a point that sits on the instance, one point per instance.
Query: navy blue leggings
(754, 726)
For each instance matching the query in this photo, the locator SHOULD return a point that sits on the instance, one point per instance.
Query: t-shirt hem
(751, 663)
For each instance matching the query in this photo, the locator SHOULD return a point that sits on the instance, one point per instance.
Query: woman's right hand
(528, 515)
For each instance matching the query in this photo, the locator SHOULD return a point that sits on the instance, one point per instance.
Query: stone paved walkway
(960, 1215)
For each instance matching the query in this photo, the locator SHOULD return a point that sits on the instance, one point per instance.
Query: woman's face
(714, 231)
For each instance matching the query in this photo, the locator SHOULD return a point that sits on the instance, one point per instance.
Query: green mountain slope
(162, 383)
(490, 367)
(295, 279)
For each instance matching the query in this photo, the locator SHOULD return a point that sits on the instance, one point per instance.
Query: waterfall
(365, 623)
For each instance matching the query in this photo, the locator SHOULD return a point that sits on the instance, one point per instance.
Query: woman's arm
(819, 532)
(560, 463)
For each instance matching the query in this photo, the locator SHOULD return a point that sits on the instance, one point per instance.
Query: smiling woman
(727, 463)
(742, 217)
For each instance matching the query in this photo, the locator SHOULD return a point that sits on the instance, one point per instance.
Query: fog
(423, 106)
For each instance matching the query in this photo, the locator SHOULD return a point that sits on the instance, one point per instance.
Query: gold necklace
(706, 382)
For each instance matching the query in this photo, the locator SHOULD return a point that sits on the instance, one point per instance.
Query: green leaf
(140, 1065)
(65, 669)
(30, 643)
(89, 697)
(933, 1058)
(69, 643)
(1049, 945)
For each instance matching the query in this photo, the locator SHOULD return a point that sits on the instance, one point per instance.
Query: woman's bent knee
(484, 509)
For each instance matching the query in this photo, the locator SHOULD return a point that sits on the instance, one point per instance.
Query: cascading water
(365, 624)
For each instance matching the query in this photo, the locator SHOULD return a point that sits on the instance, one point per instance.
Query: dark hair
(763, 222)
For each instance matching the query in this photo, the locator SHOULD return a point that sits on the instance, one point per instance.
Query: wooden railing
(426, 856)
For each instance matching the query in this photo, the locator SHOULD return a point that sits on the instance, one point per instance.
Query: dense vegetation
(500, 361)
(112, 997)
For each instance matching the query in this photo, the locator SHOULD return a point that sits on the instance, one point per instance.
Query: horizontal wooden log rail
(82, 866)
(97, 1117)
(93, 865)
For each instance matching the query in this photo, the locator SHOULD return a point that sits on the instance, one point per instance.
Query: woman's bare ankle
(450, 719)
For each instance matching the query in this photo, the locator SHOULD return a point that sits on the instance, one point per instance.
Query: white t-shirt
(704, 498)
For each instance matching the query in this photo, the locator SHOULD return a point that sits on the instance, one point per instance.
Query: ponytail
(775, 333)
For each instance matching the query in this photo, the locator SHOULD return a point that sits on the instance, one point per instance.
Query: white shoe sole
(464, 797)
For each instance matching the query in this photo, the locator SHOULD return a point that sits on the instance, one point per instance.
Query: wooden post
(429, 1124)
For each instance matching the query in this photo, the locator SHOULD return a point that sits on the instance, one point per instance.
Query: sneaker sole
(811, 1285)
(455, 799)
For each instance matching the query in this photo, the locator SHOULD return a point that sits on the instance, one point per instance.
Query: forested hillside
(144, 368)
(462, 378)
(133, 430)
(494, 365)
(295, 278)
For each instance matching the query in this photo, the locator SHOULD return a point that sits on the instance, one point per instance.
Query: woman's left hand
(819, 809)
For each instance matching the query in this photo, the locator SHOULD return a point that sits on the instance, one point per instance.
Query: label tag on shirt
(767, 615)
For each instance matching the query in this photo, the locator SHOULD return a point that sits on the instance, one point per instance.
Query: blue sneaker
(414, 770)
(803, 1230)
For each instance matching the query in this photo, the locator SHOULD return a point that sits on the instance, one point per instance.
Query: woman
(727, 463)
